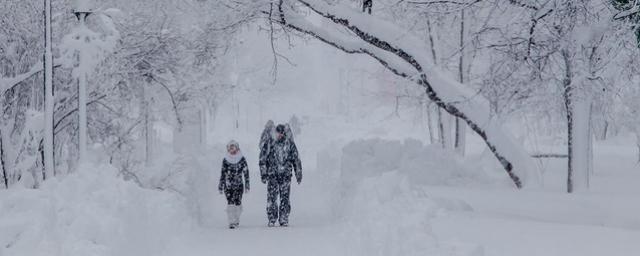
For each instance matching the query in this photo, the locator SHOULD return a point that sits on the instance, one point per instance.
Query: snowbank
(385, 209)
(192, 174)
(90, 212)
(424, 165)
(387, 217)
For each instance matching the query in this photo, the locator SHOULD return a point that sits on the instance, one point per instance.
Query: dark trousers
(278, 186)
(234, 195)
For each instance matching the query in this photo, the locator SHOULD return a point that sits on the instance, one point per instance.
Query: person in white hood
(232, 184)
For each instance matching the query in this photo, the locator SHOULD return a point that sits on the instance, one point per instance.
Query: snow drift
(90, 212)
(423, 165)
(382, 201)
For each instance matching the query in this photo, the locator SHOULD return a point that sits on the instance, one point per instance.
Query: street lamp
(82, 9)
(48, 94)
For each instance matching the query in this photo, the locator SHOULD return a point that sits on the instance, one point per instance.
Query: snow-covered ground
(602, 221)
(386, 202)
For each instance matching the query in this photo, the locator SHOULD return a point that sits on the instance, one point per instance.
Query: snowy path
(309, 234)
(256, 239)
(503, 221)
(310, 231)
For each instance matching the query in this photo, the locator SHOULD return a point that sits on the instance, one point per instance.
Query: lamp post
(48, 94)
(82, 10)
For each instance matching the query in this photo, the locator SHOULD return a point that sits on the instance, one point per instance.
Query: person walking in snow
(234, 167)
(367, 5)
(278, 161)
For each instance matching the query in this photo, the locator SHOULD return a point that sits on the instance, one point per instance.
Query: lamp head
(85, 7)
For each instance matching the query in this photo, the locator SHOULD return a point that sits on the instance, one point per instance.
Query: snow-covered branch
(6, 83)
(381, 40)
(627, 13)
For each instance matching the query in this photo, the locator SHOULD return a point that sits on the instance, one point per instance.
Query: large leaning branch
(387, 48)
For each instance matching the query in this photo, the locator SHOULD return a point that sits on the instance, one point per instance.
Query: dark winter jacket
(231, 174)
(280, 157)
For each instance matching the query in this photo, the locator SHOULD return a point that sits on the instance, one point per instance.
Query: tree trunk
(147, 136)
(82, 113)
(5, 178)
(444, 129)
(148, 129)
(460, 135)
(567, 94)
(590, 139)
(638, 144)
(432, 43)
(202, 126)
(432, 129)
(48, 94)
(444, 125)
(577, 131)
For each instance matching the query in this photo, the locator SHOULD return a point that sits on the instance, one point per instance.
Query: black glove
(264, 179)
(299, 179)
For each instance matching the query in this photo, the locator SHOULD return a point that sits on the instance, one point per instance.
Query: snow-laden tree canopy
(405, 55)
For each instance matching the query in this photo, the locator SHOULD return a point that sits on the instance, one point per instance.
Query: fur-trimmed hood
(234, 159)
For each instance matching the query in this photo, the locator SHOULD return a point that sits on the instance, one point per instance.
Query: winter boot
(237, 213)
(284, 220)
(231, 216)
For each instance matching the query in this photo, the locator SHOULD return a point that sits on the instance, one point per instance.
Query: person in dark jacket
(234, 167)
(278, 161)
(367, 5)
